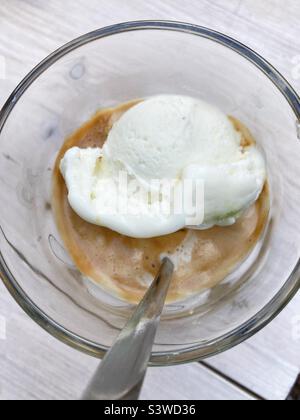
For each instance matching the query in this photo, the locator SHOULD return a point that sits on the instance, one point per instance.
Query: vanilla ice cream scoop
(161, 136)
(169, 162)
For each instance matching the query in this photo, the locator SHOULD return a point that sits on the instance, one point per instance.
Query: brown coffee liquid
(125, 266)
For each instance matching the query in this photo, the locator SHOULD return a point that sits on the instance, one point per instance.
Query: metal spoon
(121, 373)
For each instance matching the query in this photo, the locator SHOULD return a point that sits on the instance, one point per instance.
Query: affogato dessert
(168, 175)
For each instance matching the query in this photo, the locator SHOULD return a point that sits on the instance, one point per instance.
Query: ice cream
(157, 147)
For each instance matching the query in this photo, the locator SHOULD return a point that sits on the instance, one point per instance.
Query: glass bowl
(105, 68)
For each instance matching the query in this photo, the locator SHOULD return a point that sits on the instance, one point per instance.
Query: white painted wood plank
(269, 363)
(189, 382)
(29, 30)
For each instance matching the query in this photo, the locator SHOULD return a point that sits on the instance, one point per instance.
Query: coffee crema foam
(126, 266)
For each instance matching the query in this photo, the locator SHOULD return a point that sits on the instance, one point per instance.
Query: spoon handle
(121, 374)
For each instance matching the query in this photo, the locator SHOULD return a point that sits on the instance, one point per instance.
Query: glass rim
(198, 351)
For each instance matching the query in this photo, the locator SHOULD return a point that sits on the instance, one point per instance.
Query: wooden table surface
(34, 365)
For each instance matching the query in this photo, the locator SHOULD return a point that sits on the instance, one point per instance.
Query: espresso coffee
(126, 266)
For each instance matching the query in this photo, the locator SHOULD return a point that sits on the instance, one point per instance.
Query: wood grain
(35, 366)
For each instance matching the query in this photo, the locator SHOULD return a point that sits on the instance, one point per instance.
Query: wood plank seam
(294, 395)
(233, 382)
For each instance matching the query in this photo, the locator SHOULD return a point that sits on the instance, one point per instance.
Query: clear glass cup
(114, 65)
